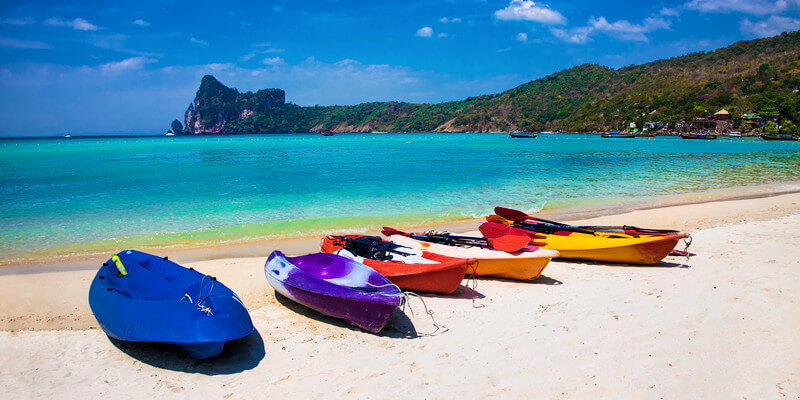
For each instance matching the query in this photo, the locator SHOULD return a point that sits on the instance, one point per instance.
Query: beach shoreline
(241, 265)
(720, 325)
(46, 261)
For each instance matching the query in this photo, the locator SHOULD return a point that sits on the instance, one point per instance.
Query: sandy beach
(722, 325)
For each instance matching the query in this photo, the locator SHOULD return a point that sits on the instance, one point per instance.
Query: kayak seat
(161, 267)
(321, 266)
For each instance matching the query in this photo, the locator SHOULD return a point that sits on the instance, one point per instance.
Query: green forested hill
(760, 75)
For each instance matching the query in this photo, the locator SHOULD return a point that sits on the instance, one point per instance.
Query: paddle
(519, 216)
(539, 227)
(509, 243)
(506, 243)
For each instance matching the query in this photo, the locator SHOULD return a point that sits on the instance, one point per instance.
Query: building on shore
(719, 123)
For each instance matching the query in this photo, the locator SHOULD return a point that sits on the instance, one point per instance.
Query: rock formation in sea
(216, 107)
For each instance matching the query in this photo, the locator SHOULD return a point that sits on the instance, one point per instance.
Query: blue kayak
(139, 297)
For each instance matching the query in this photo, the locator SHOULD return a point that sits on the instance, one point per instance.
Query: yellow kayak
(600, 246)
(630, 250)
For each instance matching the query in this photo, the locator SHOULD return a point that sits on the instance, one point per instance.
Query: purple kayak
(335, 286)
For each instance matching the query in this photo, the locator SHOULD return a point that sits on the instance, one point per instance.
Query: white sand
(721, 326)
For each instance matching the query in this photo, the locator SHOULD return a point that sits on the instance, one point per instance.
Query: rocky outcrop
(217, 108)
(176, 127)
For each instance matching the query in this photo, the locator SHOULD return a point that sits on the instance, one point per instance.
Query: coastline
(51, 260)
(666, 330)
(30, 307)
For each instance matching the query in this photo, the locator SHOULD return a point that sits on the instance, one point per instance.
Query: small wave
(536, 209)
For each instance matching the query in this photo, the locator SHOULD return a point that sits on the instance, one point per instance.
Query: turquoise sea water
(87, 194)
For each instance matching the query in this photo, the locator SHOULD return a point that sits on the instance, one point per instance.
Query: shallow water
(87, 194)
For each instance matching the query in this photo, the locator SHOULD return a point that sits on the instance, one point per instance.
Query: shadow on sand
(237, 356)
(541, 280)
(660, 264)
(400, 325)
(463, 292)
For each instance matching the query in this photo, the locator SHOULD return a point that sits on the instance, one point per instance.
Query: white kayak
(521, 265)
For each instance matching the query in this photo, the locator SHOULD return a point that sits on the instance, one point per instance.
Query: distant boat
(170, 134)
(327, 133)
(648, 134)
(68, 136)
(617, 135)
(523, 135)
(779, 136)
(735, 134)
(701, 136)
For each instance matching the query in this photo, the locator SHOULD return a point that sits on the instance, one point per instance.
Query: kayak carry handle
(120, 267)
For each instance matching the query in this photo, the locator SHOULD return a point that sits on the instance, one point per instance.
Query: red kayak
(409, 269)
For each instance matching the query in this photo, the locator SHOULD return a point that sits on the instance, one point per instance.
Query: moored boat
(523, 135)
(327, 133)
(780, 136)
(699, 136)
(335, 286)
(619, 135)
(525, 264)
(139, 297)
(408, 268)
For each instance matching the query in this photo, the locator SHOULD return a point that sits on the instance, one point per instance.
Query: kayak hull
(615, 248)
(443, 276)
(335, 286)
(522, 265)
(157, 302)
(646, 253)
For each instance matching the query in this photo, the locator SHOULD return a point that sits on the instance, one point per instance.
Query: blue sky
(131, 67)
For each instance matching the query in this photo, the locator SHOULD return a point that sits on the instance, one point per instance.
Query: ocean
(81, 195)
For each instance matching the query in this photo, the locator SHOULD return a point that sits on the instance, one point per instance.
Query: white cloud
(756, 7)
(425, 31)
(772, 26)
(446, 20)
(528, 11)
(441, 35)
(622, 29)
(274, 61)
(141, 22)
(198, 41)
(79, 24)
(19, 21)
(264, 48)
(128, 64)
(670, 12)
(628, 31)
(117, 42)
(522, 37)
(23, 44)
(575, 35)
